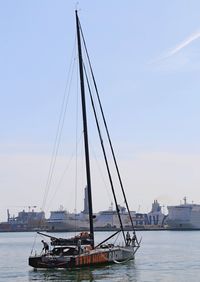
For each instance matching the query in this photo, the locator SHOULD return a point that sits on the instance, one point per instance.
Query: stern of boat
(35, 261)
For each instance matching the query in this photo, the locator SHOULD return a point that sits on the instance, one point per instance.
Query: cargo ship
(185, 216)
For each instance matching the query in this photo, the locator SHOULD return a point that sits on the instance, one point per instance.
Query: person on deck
(133, 239)
(79, 247)
(45, 246)
(128, 238)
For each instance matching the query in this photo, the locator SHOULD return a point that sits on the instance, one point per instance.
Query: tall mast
(87, 159)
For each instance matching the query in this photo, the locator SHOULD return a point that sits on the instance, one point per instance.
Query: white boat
(61, 220)
(184, 216)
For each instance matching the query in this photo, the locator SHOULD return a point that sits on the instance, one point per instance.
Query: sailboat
(81, 250)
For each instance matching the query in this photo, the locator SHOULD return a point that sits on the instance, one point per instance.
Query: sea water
(167, 256)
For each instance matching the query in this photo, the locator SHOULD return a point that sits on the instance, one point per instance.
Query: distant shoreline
(106, 230)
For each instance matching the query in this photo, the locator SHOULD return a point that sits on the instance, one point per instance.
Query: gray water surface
(166, 256)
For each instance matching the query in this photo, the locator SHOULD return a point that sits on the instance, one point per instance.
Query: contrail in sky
(184, 43)
(178, 48)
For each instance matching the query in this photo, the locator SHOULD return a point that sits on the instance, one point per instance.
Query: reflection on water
(101, 273)
(61, 275)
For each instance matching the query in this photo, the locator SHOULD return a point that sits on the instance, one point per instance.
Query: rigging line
(64, 172)
(34, 242)
(76, 170)
(110, 237)
(90, 78)
(116, 238)
(108, 135)
(60, 127)
(100, 170)
(87, 70)
(105, 157)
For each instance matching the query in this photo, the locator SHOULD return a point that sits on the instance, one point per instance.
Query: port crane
(29, 209)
